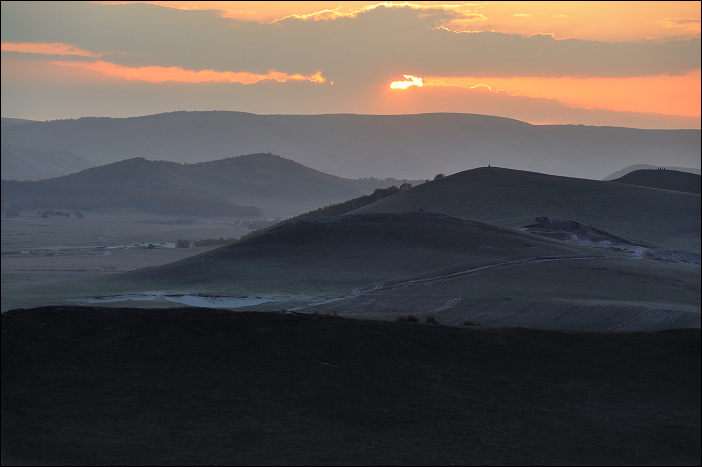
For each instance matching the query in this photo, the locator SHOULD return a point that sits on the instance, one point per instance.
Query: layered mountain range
(346, 145)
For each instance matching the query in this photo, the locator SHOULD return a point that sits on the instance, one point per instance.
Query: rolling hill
(514, 198)
(460, 249)
(664, 179)
(632, 168)
(389, 265)
(251, 185)
(354, 146)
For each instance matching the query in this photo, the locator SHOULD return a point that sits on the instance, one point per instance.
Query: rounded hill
(664, 179)
(514, 198)
(352, 250)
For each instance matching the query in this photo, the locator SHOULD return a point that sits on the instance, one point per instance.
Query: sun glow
(411, 81)
(665, 94)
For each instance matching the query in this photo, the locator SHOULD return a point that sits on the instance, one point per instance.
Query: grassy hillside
(342, 252)
(401, 256)
(385, 266)
(515, 198)
(664, 179)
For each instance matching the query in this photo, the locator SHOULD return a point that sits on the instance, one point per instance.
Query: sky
(629, 64)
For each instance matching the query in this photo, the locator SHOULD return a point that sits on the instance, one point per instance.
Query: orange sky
(592, 20)
(40, 57)
(672, 95)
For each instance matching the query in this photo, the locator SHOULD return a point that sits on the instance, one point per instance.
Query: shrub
(470, 323)
(431, 320)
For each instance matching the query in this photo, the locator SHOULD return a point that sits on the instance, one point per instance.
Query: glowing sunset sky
(634, 64)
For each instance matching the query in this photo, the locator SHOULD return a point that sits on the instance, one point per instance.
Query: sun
(412, 81)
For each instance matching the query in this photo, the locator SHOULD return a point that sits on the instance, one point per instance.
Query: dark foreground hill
(354, 146)
(664, 179)
(92, 386)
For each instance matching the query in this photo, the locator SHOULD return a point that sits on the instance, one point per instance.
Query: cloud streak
(158, 74)
(43, 48)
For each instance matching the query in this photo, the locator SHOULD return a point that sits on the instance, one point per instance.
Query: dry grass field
(386, 266)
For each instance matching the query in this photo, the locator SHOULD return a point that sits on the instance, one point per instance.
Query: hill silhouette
(354, 146)
(631, 168)
(664, 179)
(249, 185)
(514, 198)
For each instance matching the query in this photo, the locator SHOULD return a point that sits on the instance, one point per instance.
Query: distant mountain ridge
(353, 146)
(6, 122)
(25, 164)
(249, 185)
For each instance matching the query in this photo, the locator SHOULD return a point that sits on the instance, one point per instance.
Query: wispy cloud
(159, 74)
(685, 24)
(42, 48)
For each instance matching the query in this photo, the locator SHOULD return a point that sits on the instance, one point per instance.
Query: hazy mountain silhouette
(354, 146)
(270, 185)
(664, 179)
(38, 164)
(8, 122)
(515, 198)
